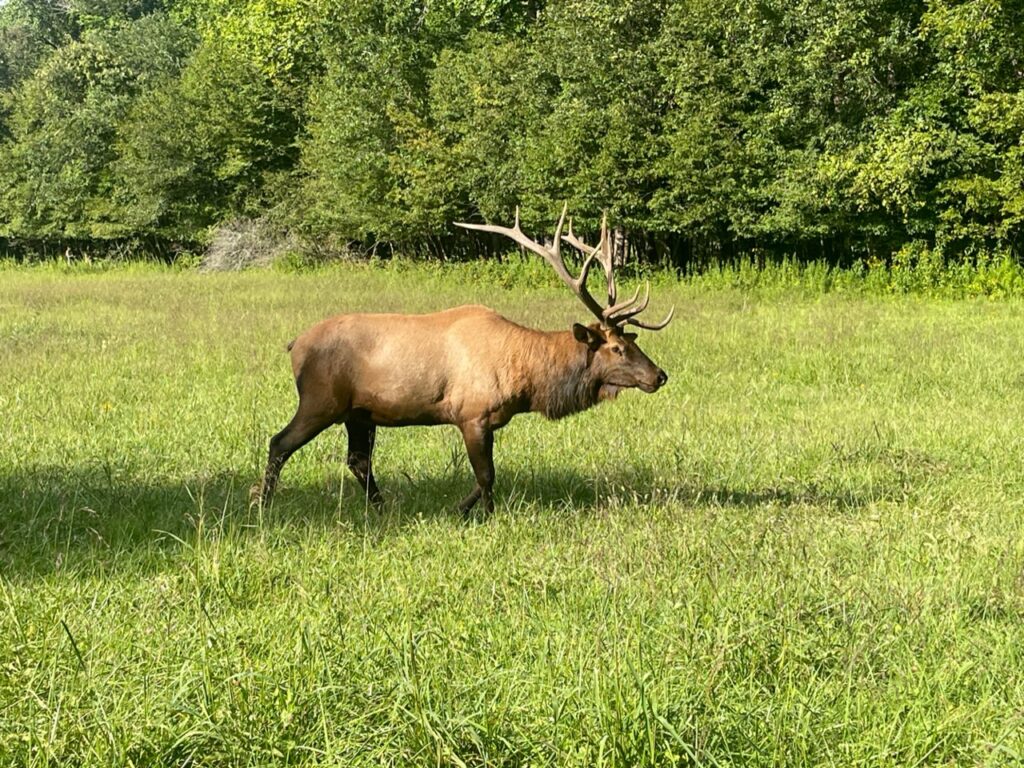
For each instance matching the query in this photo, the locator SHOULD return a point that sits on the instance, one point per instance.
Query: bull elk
(466, 366)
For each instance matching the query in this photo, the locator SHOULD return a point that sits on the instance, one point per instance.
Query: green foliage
(198, 148)
(277, 37)
(376, 166)
(56, 171)
(844, 130)
(352, 137)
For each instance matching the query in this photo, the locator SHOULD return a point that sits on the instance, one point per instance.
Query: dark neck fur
(560, 379)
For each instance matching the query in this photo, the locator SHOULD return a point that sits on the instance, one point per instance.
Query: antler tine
(626, 309)
(556, 250)
(652, 326)
(629, 315)
(551, 255)
(625, 312)
(579, 245)
(607, 258)
(600, 253)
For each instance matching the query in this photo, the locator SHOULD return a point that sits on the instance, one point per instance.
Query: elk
(466, 366)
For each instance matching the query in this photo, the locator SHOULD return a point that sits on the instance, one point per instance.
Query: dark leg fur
(300, 430)
(361, 437)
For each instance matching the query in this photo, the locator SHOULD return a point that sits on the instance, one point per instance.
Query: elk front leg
(479, 439)
(361, 437)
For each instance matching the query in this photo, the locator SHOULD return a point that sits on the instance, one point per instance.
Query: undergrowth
(913, 271)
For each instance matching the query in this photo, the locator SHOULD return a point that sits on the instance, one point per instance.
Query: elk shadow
(840, 501)
(54, 517)
(60, 517)
(104, 518)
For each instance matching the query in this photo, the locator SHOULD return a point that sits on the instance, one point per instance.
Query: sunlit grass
(807, 549)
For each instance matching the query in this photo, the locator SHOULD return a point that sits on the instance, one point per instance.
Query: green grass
(806, 550)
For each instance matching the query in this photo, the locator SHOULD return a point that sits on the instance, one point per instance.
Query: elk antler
(552, 255)
(603, 253)
(611, 316)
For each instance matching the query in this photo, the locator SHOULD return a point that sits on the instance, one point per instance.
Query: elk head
(614, 359)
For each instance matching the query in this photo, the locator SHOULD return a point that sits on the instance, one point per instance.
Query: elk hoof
(471, 512)
(473, 515)
(467, 504)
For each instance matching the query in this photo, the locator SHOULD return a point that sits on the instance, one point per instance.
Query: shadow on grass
(98, 518)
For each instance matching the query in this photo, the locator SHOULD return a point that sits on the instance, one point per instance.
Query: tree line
(836, 129)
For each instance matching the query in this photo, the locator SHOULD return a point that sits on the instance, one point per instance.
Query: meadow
(805, 550)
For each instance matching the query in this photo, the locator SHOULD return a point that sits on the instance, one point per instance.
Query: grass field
(806, 550)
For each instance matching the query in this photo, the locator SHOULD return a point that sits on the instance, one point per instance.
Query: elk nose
(662, 378)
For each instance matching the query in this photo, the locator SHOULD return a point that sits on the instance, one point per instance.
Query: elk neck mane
(558, 379)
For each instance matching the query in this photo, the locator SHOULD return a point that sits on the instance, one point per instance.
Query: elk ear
(587, 336)
(629, 336)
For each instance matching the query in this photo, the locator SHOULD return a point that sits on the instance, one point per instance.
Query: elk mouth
(609, 391)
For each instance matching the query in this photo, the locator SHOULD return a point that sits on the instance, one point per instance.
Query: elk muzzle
(660, 379)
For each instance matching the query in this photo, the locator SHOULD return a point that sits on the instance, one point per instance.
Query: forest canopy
(835, 129)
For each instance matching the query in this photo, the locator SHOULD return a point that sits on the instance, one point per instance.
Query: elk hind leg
(306, 424)
(361, 437)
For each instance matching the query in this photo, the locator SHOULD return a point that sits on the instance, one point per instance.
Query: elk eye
(619, 351)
